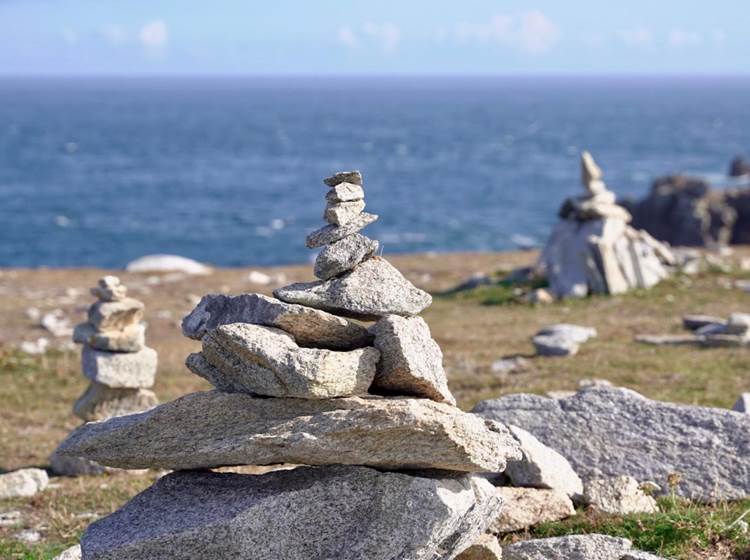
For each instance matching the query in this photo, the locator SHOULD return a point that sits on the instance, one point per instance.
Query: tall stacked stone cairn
(384, 460)
(593, 249)
(116, 360)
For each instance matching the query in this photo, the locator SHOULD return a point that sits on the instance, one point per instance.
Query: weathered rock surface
(100, 402)
(115, 315)
(129, 339)
(345, 513)
(353, 177)
(743, 403)
(22, 483)
(265, 361)
(541, 466)
(486, 547)
(62, 465)
(332, 233)
(345, 192)
(695, 322)
(576, 333)
(738, 323)
(619, 495)
(72, 553)
(344, 255)
(555, 345)
(668, 339)
(609, 432)
(527, 507)
(411, 361)
(131, 370)
(168, 263)
(373, 289)
(341, 213)
(109, 288)
(309, 327)
(571, 547)
(215, 429)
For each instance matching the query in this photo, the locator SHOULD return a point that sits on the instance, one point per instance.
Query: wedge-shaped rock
(542, 467)
(265, 361)
(613, 431)
(100, 402)
(214, 429)
(309, 327)
(115, 315)
(129, 339)
(341, 213)
(411, 361)
(345, 192)
(118, 369)
(331, 233)
(353, 177)
(571, 547)
(373, 289)
(527, 507)
(345, 513)
(344, 255)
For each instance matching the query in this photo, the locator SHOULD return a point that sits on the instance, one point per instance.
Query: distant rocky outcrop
(689, 211)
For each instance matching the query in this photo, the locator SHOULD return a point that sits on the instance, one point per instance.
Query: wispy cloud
(154, 35)
(636, 37)
(678, 38)
(532, 32)
(113, 34)
(382, 36)
(347, 37)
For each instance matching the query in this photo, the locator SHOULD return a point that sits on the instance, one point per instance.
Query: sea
(228, 171)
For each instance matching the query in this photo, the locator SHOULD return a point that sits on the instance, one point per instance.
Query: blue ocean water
(228, 171)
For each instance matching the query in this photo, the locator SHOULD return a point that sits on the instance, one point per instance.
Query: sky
(337, 37)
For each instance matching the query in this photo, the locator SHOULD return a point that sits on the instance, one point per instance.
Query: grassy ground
(473, 329)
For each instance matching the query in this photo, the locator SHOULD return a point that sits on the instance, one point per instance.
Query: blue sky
(364, 37)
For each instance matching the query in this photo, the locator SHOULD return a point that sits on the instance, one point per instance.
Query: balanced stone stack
(116, 360)
(594, 250)
(384, 460)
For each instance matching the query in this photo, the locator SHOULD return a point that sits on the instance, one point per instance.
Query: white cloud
(346, 37)
(637, 37)
(70, 35)
(532, 32)
(113, 34)
(386, 35)
(154, 35)
(683, 38)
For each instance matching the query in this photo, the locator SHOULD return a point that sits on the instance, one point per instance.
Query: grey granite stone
(72, 553)
(742, 404)
(109, 288)
(129, 339)
(332, 233)
(344, 255)
(215, 429)
(609, 432)
(345, 192)
(342, 513)
(373, 289)
(618, 495)
(342, 213)
(265, 361)
(100, 402)
(309, 327)
(131, 370)
(115, 315)
(571, 547)
(527, 507)
(486, 547)
(411, 361)
(22, 483)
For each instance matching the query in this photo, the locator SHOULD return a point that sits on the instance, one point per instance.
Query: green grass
(13, 550)
(681, 530)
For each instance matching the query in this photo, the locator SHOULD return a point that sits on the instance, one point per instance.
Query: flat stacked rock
(711, 332)
(594, 250)
(364, 412)
(117, 362)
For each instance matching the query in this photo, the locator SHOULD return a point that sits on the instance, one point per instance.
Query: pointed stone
(590, 171)
(353, 177)
(266, 361)
(342, 213)
(331, 233)
(411, 361)
(344, 255)
(118, 369)
(100, 402)
(129, 339)
(342, 513)
(214, 429)
(345, 192)
(374, 289)
(115, 315)
(309, 327)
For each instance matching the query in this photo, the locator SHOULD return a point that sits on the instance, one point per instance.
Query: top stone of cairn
(109, 288)
(353, 177)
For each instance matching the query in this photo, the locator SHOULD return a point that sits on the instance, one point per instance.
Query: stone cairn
(116, 360)
(593, 249)
(384, 459)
